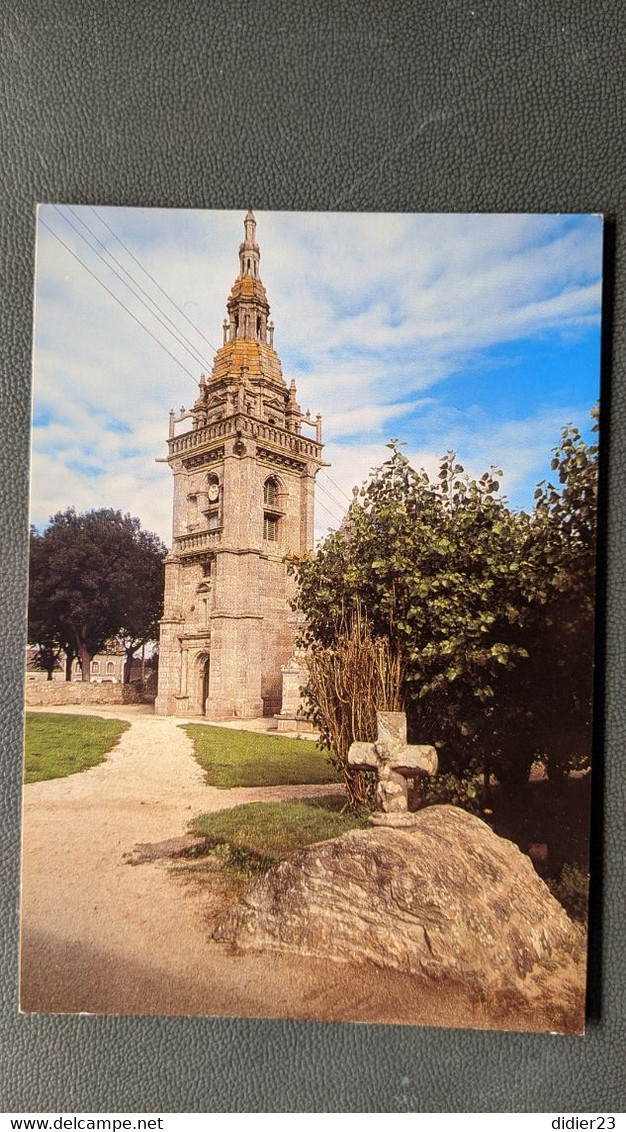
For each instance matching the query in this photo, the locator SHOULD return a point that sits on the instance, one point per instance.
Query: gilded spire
(248, 308)
(247, 374)
(247, 333)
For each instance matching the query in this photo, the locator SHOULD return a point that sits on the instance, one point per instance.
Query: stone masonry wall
(54, 693)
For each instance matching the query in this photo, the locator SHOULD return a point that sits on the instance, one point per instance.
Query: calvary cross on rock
(394, 760)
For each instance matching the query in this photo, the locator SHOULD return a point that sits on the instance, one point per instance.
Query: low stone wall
(55, 693)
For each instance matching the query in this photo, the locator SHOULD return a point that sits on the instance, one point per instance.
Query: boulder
(445, 898)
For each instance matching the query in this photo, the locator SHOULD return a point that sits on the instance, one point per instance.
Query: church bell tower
(244, 478)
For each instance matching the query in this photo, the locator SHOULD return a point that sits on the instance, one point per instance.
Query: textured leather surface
(349, 104)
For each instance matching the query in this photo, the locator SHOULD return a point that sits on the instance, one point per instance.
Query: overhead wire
(155, 281)
(122, 280)
(336, 503)
(328, 509)
(336, 485)
(114, 296)
(319, 503)
(199, 357)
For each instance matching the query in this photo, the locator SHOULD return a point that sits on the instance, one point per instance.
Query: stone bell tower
(244, 480)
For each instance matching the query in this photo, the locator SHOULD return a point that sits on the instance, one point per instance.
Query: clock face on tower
(214, 492)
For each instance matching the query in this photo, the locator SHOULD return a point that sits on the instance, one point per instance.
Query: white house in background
(106, 668)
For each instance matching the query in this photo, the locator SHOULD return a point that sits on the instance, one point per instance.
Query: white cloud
(370, 312)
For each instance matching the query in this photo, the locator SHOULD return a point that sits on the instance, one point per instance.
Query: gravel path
(102, 936)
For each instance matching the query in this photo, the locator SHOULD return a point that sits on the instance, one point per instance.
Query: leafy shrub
(487, 611)
(571, 889)
(462, 790)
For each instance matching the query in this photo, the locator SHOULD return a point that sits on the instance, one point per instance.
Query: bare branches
(348, 683)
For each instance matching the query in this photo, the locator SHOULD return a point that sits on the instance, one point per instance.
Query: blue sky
(479, 333)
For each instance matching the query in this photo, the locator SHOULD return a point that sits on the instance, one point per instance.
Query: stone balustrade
(198, 541)
(197, 438)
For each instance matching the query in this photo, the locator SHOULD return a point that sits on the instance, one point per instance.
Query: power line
(326, 507)
(190, 348)
(331, 497)
(199, 357)
(146, 272)
(114, 296)
(118, 276)
(334, 522)
(336, 502)
(336, 485)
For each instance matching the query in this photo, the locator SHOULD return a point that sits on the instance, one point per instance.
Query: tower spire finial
(249, 224)
(249, 254)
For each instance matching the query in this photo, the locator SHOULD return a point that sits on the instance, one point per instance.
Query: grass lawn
(58, 745)
(245, 758)
(258, 835)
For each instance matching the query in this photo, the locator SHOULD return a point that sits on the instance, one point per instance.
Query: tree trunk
(69, 660)
(128, 664)
(85, 663)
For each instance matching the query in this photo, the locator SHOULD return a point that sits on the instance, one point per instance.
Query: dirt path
(102, 936)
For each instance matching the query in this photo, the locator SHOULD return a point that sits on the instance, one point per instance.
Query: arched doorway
(205, 683)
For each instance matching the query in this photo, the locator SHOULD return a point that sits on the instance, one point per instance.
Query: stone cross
(394, 760)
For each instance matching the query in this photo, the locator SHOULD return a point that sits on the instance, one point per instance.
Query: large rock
(446, 899)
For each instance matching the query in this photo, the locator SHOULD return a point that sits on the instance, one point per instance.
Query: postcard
(311, 610)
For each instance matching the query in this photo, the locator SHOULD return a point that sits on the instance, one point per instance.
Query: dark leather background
(330, 104)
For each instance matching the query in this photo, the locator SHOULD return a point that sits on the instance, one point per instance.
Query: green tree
(45, 630)
(142, 601)
(548, 701)
(48, 655)
(436, 565)
(478, 602)
(93, 576)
